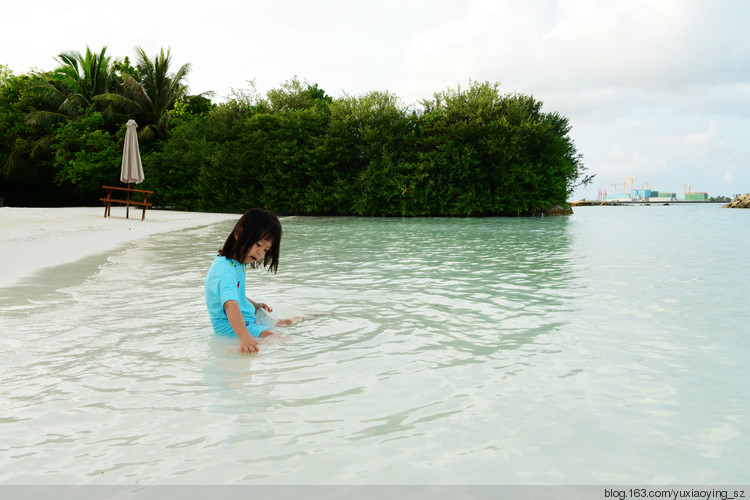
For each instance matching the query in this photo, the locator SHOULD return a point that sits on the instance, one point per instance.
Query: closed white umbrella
(132, 169)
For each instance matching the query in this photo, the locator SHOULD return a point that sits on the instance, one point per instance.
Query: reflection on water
(544, 350)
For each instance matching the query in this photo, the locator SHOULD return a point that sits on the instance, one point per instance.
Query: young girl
(253, 242)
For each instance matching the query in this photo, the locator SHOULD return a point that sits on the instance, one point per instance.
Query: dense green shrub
(86, 155)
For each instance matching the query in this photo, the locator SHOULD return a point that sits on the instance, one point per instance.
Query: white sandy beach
(32, 239)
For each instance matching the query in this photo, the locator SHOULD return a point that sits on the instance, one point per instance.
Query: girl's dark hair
(256, 225)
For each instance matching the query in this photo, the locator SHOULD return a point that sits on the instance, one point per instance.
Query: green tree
(12, 118)
(297, 95)
(152, 92)
(486, 153)
(173, 168)
(26, 172)
(87, 156)
(77, 84)
(384, 134)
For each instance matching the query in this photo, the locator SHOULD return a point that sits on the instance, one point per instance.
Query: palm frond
(117, 101)
(50, 95)
(13, 163)
(70, 58)
(134, 90)
(148, 132)
(40, 145)
(45, 118)
(73, 105)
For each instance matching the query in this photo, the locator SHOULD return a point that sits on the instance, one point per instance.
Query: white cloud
(728, 177)
(707, 136)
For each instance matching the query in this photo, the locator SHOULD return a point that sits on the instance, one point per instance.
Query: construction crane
(624, 185)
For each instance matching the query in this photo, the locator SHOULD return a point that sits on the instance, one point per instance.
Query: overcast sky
(658, 90)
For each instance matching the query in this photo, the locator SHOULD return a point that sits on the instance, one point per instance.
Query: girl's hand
(237, 322)
(260, 305)
(248, 344)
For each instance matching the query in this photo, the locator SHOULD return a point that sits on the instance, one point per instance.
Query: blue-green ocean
(607, 347)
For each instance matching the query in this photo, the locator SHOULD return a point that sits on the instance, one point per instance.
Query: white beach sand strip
(32, 239)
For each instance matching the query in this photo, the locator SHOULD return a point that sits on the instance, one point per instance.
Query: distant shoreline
(597, 203)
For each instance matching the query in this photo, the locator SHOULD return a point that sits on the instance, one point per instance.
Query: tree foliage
(296, 150)
(465, 152)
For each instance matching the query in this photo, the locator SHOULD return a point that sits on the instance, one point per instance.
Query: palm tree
(153, 91)
(92, 79)
(79, 83)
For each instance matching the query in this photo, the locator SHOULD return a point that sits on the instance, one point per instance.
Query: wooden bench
(108, 200)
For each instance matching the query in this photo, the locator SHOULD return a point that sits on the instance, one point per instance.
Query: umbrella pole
(127, 207)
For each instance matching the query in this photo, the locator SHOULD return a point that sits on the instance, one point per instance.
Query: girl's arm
(237, 322)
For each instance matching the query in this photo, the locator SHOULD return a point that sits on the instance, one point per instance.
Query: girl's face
(258, 251)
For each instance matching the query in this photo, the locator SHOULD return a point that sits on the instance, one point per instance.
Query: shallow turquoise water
(609, 347)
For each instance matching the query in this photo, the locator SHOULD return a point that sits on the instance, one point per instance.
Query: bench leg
(107, 204)
(145, 200)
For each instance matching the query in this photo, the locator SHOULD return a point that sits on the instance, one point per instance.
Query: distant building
(663, 197)
(696, 196)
